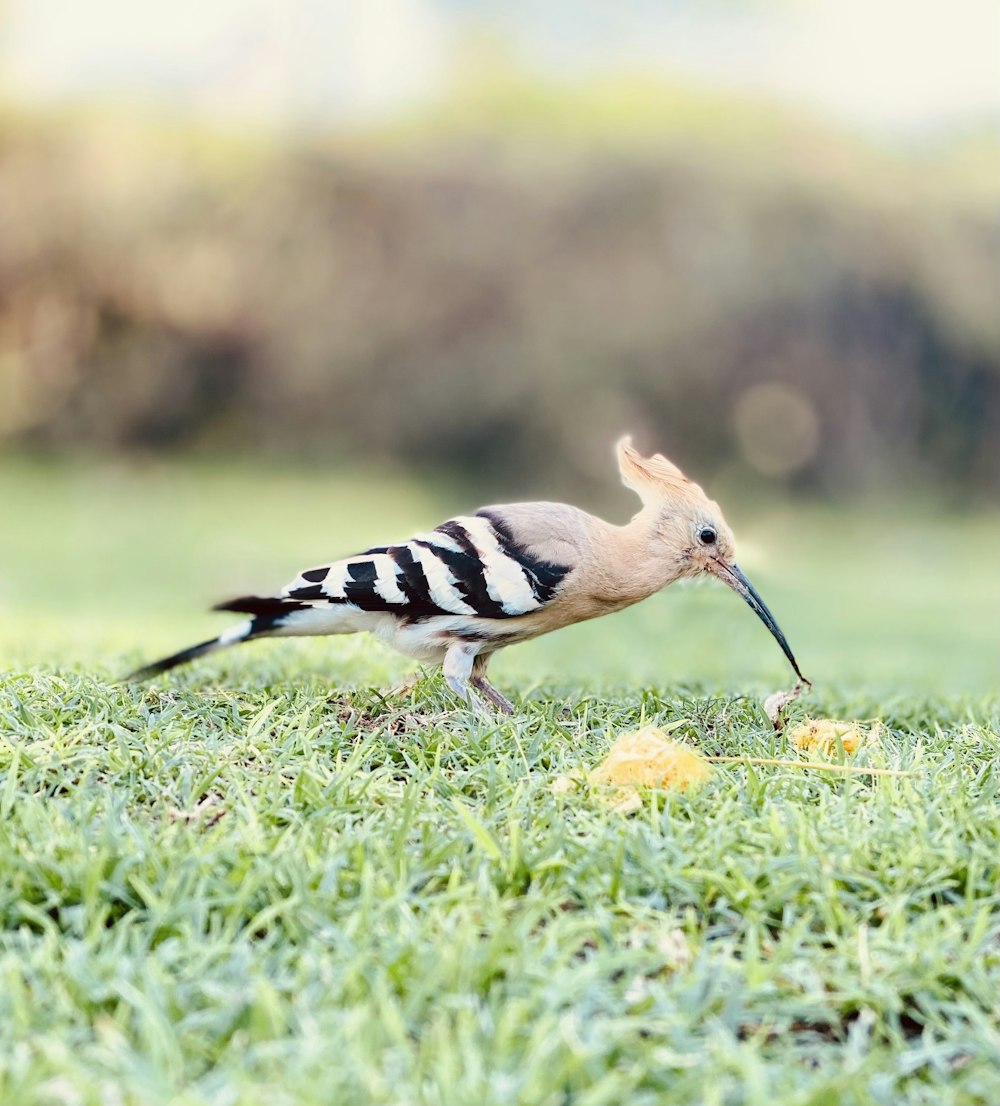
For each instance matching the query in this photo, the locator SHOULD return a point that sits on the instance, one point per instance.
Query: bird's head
(689, 532)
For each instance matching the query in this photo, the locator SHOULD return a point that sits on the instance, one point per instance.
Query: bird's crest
(654, 479)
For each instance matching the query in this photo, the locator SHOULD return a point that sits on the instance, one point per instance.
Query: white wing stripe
(435, 537)
(386, 581)
(440, 582)
(333, 585)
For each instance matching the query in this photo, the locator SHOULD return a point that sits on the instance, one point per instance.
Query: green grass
(263, 880)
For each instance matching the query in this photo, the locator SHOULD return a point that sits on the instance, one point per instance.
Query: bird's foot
(459, 686)
(459, 673)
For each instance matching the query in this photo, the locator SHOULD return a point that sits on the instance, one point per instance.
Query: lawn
(266, 880)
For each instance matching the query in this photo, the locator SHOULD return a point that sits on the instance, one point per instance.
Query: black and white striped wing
(471, 565)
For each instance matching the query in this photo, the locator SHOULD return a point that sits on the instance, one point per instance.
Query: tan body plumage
(457, 594)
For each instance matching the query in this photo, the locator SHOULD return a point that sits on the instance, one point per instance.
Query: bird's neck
(634, 562)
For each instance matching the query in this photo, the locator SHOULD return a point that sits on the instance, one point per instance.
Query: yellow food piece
(646, 758)
(827, 735)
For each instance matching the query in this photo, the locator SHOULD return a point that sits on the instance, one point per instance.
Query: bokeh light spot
(777, 428)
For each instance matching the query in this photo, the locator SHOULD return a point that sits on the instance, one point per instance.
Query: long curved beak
(732, 575)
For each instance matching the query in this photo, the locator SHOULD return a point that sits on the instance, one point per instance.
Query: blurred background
(282, 276)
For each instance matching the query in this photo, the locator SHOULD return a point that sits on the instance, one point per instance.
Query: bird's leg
(458, 661)
(488, 691)
(485, 688)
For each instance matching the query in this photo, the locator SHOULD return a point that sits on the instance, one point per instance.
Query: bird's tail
(269, 616)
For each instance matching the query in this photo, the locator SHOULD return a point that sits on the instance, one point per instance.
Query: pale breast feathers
(471, 565)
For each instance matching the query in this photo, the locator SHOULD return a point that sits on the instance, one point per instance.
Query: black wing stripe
(467, 571)
(310, 591)
(413, 584)
(364, 572)
(543, 576)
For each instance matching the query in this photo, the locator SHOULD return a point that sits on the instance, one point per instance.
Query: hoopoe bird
(457, 594)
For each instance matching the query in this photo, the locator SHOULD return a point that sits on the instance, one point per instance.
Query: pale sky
(887, 64)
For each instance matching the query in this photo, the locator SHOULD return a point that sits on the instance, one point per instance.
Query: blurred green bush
(510, 295)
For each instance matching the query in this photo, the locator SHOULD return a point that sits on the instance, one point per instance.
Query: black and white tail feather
(442, 596)
(269, 616)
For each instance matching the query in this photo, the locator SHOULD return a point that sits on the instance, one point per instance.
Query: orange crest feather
(654, 479)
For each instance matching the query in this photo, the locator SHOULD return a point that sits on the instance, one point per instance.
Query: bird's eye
(707, 536)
